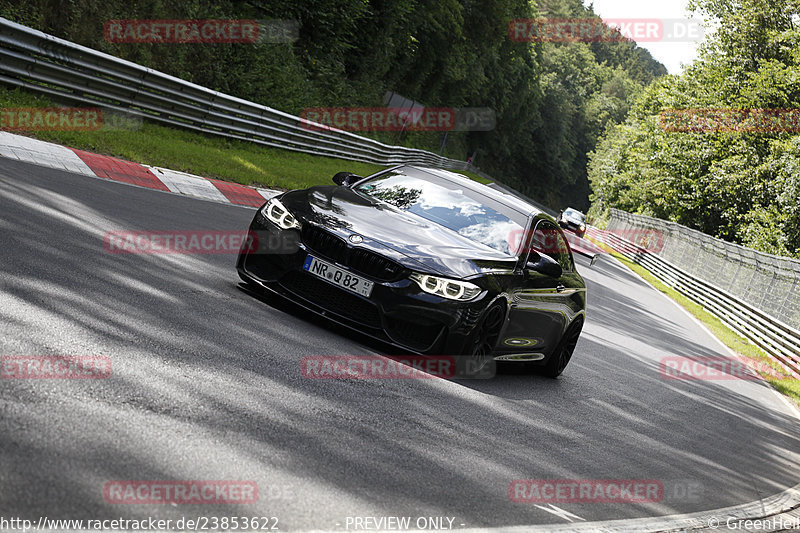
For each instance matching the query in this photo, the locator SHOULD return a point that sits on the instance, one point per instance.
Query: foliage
(551, 100)
(738, 185)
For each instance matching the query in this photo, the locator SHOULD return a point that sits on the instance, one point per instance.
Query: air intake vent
(361, 261)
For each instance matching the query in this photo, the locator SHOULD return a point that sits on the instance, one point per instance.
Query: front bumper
(572, 226)
(397, 312)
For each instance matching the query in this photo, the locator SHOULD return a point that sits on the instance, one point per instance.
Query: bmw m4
(426, 260)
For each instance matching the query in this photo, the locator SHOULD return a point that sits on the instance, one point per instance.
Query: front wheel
(563, 352)
(479, 360)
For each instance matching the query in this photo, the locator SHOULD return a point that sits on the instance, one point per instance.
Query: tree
(737, 185)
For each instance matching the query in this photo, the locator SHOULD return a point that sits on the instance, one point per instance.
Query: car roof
(512, 201)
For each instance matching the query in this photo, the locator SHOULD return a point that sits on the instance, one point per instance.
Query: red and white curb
(101, 166)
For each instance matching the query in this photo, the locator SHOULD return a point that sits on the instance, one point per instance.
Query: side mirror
(544, 264)
(346, 179)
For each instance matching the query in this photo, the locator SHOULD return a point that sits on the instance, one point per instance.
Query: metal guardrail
(775, 337)
(76, 74)
(767, 282)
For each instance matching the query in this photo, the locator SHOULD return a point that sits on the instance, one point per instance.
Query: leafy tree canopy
(551, 100)
(738, 185)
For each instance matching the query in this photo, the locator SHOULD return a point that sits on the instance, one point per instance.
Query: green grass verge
(784, 383)
(204, 155)
(474, 177)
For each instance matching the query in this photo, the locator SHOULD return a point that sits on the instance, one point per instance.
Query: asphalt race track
(206, 385)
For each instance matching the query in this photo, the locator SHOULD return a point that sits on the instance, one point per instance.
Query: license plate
(339, 277)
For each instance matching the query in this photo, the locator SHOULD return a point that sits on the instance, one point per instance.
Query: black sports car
(428, 261)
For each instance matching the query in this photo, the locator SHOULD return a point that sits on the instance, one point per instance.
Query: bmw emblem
(356, 239)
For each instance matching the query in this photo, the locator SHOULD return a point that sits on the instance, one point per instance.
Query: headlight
(583, 227)
(277, 213)
(447, 288)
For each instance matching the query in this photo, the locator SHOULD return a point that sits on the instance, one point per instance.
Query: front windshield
(457, 208)
(574, 214)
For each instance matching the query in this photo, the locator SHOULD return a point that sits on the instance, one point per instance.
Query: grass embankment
(474, 177)
(779, 379)
(205, 155)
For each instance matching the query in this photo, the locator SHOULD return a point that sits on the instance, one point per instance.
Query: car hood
(412, 241)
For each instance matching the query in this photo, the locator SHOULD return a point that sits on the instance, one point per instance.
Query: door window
(547, 238)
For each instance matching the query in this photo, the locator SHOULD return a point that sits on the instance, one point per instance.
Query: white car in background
(573, 220)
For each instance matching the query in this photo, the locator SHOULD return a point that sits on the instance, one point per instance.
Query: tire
(563, 353)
